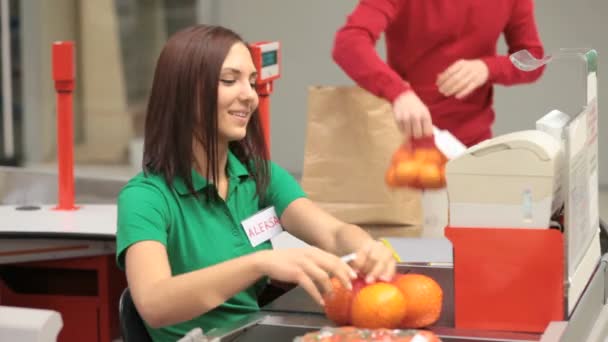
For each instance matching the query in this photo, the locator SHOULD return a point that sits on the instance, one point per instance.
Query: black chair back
(131, 325)
(603, 237)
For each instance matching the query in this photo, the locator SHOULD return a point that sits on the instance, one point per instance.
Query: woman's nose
(248, 91)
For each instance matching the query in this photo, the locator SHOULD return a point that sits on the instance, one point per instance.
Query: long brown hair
(183, 106)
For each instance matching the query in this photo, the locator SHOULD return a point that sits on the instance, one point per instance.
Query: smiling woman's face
(237, 98)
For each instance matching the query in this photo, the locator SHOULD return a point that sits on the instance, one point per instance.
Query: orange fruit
(337, 303)
(406, 172)
(430, 176)
(421, 154)
(435, 156)
(379, 305)
(389, 177)
(424, 298)
(401, 154)
(444, 159)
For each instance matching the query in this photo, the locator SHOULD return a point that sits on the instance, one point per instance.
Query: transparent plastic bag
(331, 334)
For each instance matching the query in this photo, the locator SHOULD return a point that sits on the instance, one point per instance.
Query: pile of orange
(417, 164)
(408, 301)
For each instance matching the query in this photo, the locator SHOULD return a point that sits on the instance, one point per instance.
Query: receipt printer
(505, 182)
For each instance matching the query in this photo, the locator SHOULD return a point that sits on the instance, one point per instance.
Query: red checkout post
(64, 75)
(267, 60)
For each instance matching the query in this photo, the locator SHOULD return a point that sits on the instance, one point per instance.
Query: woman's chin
(236, 135)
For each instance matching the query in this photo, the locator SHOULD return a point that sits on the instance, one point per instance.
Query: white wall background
(306, 30)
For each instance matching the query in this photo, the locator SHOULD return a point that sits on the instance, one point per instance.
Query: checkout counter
(59, 262)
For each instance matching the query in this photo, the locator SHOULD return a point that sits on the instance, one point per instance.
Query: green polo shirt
(198, 232)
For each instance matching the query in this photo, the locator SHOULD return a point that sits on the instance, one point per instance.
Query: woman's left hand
(375, 261)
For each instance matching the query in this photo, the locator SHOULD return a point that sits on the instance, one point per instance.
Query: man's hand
(462, 77)
(412, 116)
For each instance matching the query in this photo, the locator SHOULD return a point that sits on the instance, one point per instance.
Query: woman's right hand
(311, 268)
(412, 116)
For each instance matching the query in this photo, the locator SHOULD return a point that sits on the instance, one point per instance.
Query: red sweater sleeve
(354, 48)
(520, 33)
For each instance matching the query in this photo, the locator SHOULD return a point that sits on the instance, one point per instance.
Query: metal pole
(7, 86)
(264, 91)
(64, 75)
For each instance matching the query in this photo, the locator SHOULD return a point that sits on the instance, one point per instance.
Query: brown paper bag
(350, 137)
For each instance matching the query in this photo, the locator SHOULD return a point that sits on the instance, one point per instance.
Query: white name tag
(262, 226)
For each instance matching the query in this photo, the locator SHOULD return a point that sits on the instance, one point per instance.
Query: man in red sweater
(441, 59)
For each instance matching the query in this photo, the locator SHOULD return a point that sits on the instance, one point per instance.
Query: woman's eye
(253, 85)
(229, 82)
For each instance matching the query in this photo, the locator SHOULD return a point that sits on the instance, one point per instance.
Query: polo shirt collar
(235, 169)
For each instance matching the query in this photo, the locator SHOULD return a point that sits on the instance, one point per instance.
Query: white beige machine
(508, 181)
(29, 325)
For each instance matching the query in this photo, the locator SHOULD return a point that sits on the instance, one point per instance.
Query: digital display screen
(269, 58)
